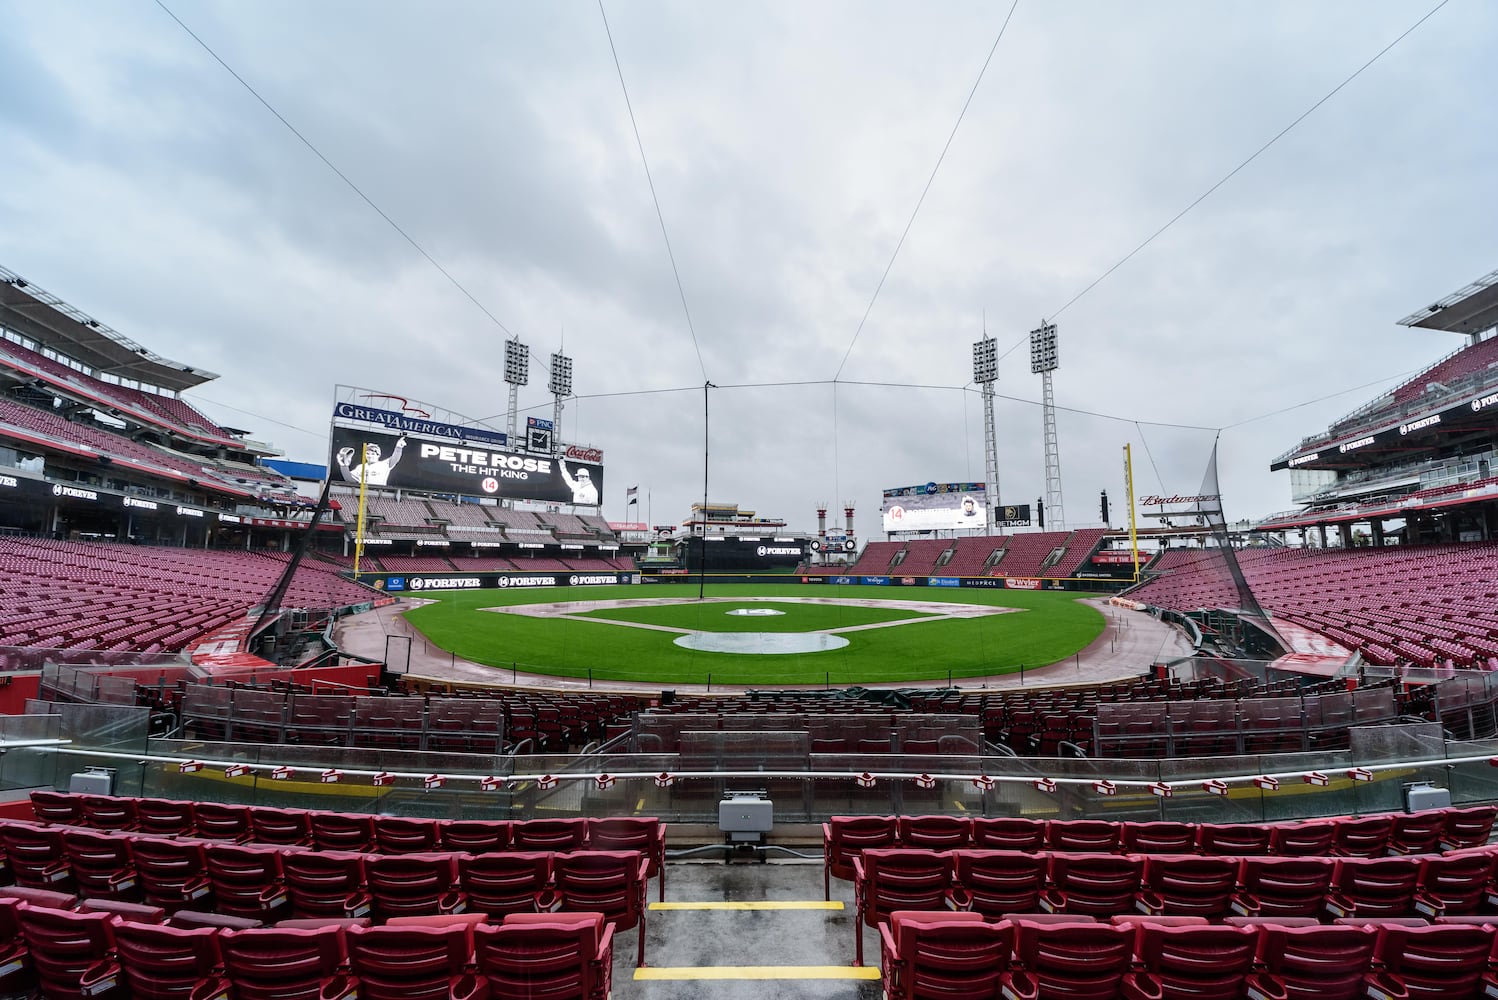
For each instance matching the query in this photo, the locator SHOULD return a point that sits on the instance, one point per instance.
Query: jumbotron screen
(935, 507)
(433, 457)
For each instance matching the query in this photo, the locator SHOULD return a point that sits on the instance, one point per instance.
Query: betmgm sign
(447, 458)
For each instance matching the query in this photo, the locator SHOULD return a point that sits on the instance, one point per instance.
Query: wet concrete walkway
(704, 951)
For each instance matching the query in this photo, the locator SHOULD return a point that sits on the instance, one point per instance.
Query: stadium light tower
(985, 374)
(517, 374)
(559, 384)
(1043, 362)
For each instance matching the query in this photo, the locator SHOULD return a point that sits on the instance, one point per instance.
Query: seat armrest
(467, 986)
(356, 904)
(1384, 985)
(1263, 986)
(1140, 986)
(1427, 905)
(959, 899)
(1338, 905)
(196, 888)
(13, 958)
(213, 988)
(273, 896)
(1244, 904)
(101, 977)
(1019, 985)
(605, 945)
(340, 987)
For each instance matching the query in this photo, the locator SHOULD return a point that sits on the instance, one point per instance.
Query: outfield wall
(415, 583)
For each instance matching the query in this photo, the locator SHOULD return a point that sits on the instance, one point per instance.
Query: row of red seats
(1001, 883)
(844, 837)
(262, 884)
(953, 955)
(337, 831)
(67, 955)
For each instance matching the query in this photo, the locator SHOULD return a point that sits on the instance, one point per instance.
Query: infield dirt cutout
(755, 643)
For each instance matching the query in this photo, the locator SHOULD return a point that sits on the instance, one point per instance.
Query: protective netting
(1231, 573)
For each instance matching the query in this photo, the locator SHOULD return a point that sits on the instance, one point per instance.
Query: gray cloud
(788, 144)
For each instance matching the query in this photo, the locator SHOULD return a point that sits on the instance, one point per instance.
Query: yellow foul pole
(1128, 486)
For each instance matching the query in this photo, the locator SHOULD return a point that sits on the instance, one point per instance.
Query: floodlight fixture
(1043, 349)
(986, 361)
(560, 381)
(517, 363)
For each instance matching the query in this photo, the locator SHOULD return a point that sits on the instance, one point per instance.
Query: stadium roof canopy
(50, 321)
(1469, 310)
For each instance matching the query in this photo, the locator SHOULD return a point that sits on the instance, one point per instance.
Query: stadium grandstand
(1391, 559)
(232, 767)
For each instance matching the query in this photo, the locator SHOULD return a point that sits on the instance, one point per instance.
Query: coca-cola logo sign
(580, 454)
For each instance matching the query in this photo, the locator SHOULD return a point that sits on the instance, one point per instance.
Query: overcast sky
(789, 143)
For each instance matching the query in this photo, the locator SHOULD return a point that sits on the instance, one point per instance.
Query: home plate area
(757, 643)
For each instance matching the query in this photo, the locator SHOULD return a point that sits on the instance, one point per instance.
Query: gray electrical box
(746, 816)
(1418, 797)
(94, 781)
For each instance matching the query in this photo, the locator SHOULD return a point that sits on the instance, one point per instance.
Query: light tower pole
(1043, 362)
(517, 374)
(559, 384)
(985, 374)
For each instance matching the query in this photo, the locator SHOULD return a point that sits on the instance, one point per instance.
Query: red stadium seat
(1006, 834)
(1098, 885)
(273, 963)
(247, 881)
(844, 837)
(924, 956)
(1188, 963)
(1188, 885)
(402, 885)
(609, 882)
(1000, 882)
(325, 883)
(645, 834)
(504, 882)
(170, 963)
(65, 947)
(1079, 961)
(173, 873)
(1282, 887)
(890, 879)
(569, 957)
(410, 963)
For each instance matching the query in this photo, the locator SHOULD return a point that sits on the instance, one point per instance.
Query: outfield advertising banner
(409, 423)
(392, 583)
(935, 507)
(409, 462)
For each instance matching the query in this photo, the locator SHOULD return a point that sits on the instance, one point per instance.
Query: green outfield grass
(1045, 628)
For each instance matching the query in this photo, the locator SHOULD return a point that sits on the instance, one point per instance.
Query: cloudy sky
(789, 143)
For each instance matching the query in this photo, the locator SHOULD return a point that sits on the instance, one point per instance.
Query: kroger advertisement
(935, 507)
(409, 462)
